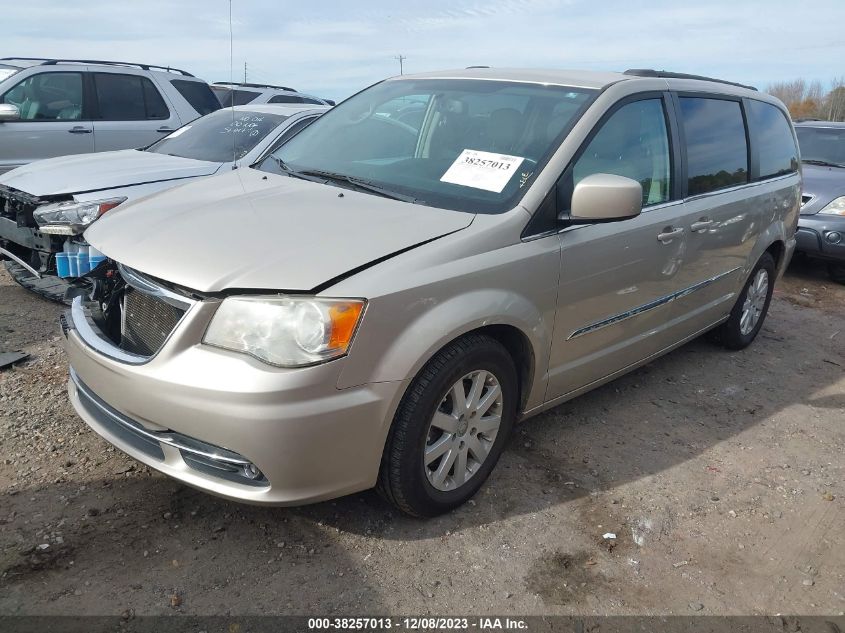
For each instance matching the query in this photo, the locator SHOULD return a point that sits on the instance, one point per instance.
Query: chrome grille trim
(140, 282)
(99, 342)
(91, 336)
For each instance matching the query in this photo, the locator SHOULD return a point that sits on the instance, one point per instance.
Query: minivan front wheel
(450, 428)
(751, 307)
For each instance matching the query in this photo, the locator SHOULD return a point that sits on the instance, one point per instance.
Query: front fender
(436, 323)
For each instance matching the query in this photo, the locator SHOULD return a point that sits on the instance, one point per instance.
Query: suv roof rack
(665, 74)
(50, 61)
(244, 85)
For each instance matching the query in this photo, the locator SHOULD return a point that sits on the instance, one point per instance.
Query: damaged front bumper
(225, 422)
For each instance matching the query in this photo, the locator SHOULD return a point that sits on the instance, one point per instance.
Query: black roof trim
(49, 61)
(666, 74)
(245, 85)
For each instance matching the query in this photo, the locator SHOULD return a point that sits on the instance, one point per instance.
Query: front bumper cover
(310, 440)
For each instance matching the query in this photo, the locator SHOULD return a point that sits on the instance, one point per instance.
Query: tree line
(808, 99)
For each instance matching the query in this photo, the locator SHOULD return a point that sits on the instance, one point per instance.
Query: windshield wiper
(358, 183)
(293, 173)
(822, 163)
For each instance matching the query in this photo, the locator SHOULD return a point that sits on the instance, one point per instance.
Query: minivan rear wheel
(450, 428)
(751, 307)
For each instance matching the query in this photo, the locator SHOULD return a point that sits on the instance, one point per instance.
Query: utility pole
(244, 72)
(401, 59)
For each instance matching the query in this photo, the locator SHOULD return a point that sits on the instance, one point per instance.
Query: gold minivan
(378, 301)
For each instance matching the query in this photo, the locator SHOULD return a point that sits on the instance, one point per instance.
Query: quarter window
(128, 98)
(717, 150)
(198, 94)
(773, 140)
(286, 99)
(230, 97)
(48, 97)
(634, 143)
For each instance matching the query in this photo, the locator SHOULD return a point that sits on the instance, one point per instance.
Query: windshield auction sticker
(482, 170)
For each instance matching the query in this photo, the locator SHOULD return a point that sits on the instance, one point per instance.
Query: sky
(334, 48)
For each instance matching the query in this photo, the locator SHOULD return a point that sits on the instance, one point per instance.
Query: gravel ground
(721, 475)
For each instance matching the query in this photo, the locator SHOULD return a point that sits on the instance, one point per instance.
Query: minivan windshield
(464, 144)
(822, 145)
(219, 136)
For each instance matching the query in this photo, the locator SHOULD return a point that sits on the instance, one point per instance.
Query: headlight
(837, 207)
(71, 218)
(285, 331)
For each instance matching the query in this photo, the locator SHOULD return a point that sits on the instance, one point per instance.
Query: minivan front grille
(146, 322)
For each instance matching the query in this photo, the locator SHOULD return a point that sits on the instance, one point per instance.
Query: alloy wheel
(755, 302)
(463, 430)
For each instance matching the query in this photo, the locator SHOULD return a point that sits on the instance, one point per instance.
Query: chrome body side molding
(651, 305)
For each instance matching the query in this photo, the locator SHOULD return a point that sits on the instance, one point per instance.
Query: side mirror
(9, 112)
(605, 198)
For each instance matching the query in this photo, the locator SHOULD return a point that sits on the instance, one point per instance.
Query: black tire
(729, 334)
(836, 272)
(402, 478)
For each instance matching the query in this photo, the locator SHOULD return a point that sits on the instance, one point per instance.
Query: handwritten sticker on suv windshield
(482, 170)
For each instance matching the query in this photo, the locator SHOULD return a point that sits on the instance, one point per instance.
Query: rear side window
(772, 136)
(229, 97)
(286, 99)
(717, 150)
(292, 131)
(634, 143)
(128, 98)
(198, 94)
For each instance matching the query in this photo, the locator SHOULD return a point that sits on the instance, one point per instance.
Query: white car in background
(230, 94)
(47, 205)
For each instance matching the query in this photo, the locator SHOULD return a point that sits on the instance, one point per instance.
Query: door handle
(164, 130)
(669, 234)
(79, 130)
(702, 225)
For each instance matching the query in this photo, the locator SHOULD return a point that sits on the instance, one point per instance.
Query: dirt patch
(560, 578)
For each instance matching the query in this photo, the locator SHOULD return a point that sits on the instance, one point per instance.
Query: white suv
(54, 107)
(231, 94)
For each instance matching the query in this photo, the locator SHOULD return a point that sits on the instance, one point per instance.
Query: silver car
(55, 107)
(378, 302)
(46, 206)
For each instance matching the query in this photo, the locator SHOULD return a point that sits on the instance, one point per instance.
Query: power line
(401, 59)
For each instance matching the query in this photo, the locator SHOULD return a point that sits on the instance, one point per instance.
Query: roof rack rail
(50, 61)
(245, 85)
(665, 74)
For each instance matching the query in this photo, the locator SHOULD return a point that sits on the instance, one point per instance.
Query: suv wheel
(450, 428)
(750, 308)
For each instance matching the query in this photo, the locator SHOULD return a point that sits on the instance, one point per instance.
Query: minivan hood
(824, 184)
(104, 170)
(248, 229)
